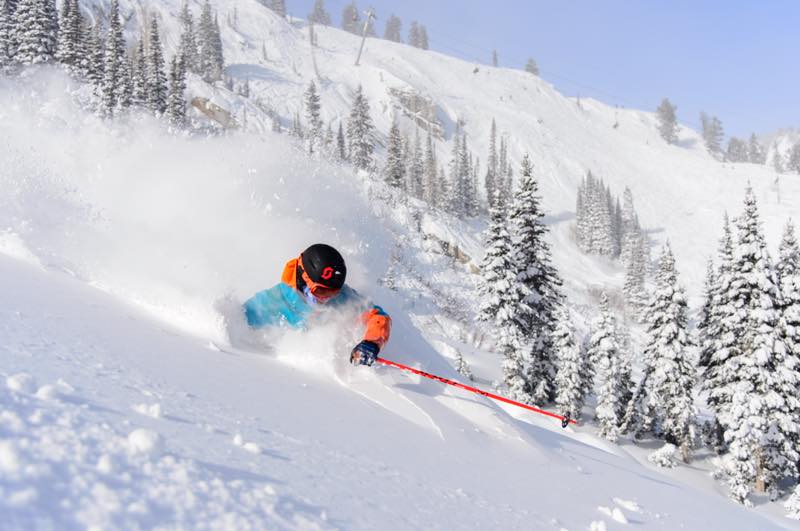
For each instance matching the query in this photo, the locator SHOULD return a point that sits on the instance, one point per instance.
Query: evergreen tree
(71, 49)
(351, 20)
(395, 170)
(278, 6)
(156, 78)
(634, 287)
(490, 181)
(320, 15)
(423, 37)
(176, 102)
(6, 34)
(96, 57)
(139, 96)
(462, 367)
(188, 47)
(789, 277)
(113, 73)
(670, 371)
(359, 132)
(125, 88)
(210, 57)
(760, 376)
(394, 28)
(495, 60)
(737, 150)
(712, 133)
(541, 284)
(531, 67)
(778, 163)
(572, 363)
(793, 504)
(313, 118)
(755, 152)
(416, 169)
(413, 34)
(431, 176)
(500, 304)
(793, 164)
(35, 31)
(341, 145)
(604, 355)
(667, 121)
(717, 335)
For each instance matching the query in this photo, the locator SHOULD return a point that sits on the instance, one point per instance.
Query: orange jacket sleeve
(379, 325)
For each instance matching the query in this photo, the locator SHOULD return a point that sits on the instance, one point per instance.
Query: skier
(310, 283)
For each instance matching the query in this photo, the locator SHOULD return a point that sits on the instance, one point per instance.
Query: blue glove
(365, 353)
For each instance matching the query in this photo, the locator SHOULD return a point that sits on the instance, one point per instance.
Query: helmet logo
(327, 273)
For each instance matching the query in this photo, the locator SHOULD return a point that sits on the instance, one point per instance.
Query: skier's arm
(379, 326)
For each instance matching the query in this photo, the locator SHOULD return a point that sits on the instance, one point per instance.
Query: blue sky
(732, 59)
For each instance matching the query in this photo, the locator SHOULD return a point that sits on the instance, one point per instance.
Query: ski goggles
(318, 290)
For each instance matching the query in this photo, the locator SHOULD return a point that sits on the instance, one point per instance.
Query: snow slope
(175, 230)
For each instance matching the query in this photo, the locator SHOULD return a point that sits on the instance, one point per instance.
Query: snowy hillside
(125, 250)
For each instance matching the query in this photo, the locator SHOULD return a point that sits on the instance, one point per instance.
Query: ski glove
(365, 353)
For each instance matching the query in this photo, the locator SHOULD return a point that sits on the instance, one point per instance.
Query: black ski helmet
(323, 264)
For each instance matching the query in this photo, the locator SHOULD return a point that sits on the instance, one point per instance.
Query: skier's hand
(365, 353)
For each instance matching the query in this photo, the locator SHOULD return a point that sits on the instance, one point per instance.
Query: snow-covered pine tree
(452, 199)
(443, 190)
(187, 46)
(792, 505)
(351, 20)
(71, 49)
(395, 170)
(341, 144)
(630, 231)
(156, 78)
(209, 45)
(761, 376)
(737, 150)
(394, 28)
(320, 15)
(312, 107)
(467, 192)
(793, 163)
(500, 303)
(176, 101)
(672, 375)
(718, 337)
(139, 72)
(603, 353)
(416, 168)
(788, 268)
(755, 151)
(572, 364)
(95, 51)
(462, 367)
(278, 6)
(431, 175)
(667, 121)
(712, 133)
(359, 132)
(626, 385)
(125, 87)
(6, 34)
(423, 37)
(541, 283)
(113, 72)
(35, 31)
(490, 181)
(495, 60)
(473, 204)
(531, 67)
(413, 34)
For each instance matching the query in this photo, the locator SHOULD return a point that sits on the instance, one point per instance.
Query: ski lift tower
(370, 16)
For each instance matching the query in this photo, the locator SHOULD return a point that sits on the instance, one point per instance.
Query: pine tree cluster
(31, 31)
(521, 295)
(750, 357)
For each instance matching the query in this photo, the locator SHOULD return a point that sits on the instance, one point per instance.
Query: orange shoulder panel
(289, 276)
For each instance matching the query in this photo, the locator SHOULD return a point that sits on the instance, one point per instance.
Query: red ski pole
(565, 420)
